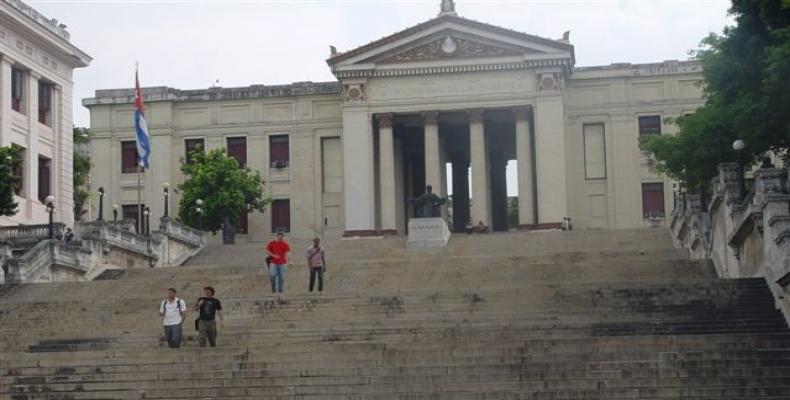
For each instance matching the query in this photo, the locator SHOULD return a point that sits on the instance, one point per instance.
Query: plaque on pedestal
(427, 233)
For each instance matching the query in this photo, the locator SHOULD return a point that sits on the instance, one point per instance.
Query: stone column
(481, 195)
(358, 188)
(460, 192)
(387, 174)
(433, 171)
(526, 184)
(5, 99)
(550, 156)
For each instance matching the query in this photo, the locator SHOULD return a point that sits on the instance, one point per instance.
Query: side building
(450, 102)
(37, 61)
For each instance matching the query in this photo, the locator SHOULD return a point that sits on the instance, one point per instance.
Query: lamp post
(50, 202)
(101, 204)
(166, 187)
(199, 210)
(738, 145)
(147, 214)
(114, 213)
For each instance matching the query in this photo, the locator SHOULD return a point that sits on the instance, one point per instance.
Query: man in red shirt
(279, 251)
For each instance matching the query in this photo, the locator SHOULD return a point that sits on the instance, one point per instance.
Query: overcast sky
(190, 44)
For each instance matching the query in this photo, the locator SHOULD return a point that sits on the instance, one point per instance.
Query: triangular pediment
(450, 39)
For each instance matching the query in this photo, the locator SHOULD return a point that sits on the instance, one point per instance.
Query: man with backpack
(172, 309)
(206, 324)
(316, 263)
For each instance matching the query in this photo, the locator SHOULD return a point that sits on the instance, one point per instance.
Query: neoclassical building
(447, 97)
(37, 61)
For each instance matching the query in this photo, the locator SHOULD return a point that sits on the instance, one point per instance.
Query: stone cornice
(448, 69)
(164, 93)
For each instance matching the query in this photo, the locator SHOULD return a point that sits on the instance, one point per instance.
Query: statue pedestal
(427, 233)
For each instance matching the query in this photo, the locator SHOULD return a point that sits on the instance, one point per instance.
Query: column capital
(522, 112)
(475, 115)
(430, 117)
(385, 120)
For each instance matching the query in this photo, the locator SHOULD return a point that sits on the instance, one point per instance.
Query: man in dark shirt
(209, 309)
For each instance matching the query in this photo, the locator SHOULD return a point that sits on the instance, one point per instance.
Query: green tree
(225, 189)
(82, 167)
(10, 161)
(746, 82)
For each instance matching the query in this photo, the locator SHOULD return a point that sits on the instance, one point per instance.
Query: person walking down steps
(210, 308)
(316, 263)
(279, 250)
(172, 310)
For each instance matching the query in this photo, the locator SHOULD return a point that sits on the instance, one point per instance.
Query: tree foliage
(10, 161)
(82, 167)
(226, 190)
(746, 82)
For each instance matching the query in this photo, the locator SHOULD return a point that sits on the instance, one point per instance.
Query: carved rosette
(354, 92)
(549, 81)
(476, 115)
(385, 120)
(430, 117)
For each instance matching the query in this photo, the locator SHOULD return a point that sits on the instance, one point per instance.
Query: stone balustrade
(26, 233)
(744, 236)
(101, 245)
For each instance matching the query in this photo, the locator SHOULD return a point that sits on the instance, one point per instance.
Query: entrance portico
(458, 92)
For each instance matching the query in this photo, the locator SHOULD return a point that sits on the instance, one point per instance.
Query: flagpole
(139, 201)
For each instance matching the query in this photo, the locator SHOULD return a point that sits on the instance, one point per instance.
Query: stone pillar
(460, 192)
(387, 174)
(5, 99)
(526, 184)
(481, 195)
(358, 188)
(728, 182)
(550, 156)
(498, 179)
(433, 167)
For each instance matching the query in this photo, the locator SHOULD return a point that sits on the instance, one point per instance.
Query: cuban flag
(140, 126)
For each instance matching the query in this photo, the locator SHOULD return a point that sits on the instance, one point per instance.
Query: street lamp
(147, 214)
(50, 202)
(199, 210)
(114, 213)
(101, 204)
(738, 145)
(166, 187)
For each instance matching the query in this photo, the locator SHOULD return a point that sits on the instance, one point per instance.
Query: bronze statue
(428, 205)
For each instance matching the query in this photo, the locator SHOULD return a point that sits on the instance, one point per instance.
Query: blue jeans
(277, 277)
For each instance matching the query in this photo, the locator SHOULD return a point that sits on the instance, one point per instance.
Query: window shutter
(278, 149)
(237, 148)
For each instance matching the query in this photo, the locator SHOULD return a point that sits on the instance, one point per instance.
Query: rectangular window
(244, 223)
(279, 152)
(653, 200)
(237, 148)
(129, 157)
(192, 145)
(281, 215)
(45, 103)
(650, 125)
(594, 151)
(332, 165)
(130, 212)
(20, 171)
(17, 89)
(44, 178)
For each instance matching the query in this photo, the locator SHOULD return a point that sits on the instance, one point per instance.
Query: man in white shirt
(172, 310)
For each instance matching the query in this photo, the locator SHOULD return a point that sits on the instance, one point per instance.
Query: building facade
(37, 61)
(448, 97)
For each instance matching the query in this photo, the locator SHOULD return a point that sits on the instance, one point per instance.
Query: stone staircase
(557, 315)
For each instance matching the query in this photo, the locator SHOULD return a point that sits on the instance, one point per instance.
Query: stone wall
(744, 234)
